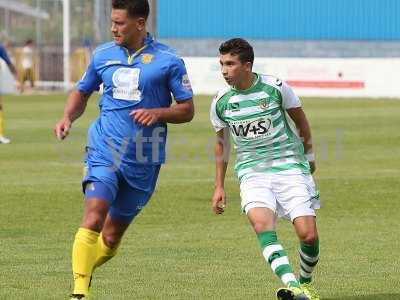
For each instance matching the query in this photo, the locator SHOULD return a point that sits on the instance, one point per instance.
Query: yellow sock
(84, 253)
(1, 123)
(104, 253)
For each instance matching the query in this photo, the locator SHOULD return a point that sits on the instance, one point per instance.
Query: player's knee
(260, 227)
(111, 240)
(93, 221)
(309, 238)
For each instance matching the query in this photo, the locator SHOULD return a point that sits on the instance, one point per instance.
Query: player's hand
(18, 86)
(219, 201)
(146, 117)
(312, 166)
(62, 128)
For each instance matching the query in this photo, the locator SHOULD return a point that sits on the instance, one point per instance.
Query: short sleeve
(289, 98)
(216, 121)
(178, 80)
(90, 80)
(4, 55)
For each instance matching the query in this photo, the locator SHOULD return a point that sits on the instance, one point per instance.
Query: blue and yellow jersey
(148, 78)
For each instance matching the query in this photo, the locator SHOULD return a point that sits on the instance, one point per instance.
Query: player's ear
(141, 24)
(249, 66)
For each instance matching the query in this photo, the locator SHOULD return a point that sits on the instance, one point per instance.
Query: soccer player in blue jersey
(126, 143)
(4, 56)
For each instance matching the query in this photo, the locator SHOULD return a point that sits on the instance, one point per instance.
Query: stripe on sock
(306, 267)
(282, 270)
(289, 277)
(308, 258)
(305, 274)
(308, 261)
(276, 263)
(275, 255)
(271, 249)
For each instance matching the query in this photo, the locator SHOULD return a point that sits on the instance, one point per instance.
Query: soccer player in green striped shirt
(274, 163)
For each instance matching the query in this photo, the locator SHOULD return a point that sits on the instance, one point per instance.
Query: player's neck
(247, 82)
(137, 44)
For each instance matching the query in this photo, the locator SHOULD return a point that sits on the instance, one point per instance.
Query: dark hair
(135, 8)
(240, 47)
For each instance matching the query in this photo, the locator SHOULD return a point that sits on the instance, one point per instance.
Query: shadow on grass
(367, 297)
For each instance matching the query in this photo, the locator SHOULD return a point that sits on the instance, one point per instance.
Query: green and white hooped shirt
(264, 136)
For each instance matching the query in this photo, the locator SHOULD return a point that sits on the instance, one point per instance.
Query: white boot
(4, 140)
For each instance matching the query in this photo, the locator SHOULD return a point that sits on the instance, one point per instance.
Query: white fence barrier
(321, 77)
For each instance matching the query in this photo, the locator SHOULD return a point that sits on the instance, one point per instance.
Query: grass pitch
(177, 249)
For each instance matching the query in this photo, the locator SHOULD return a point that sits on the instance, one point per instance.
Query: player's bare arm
(76, 105)
(13, 70)
(299, 118)
(221, 153)
(181, 112)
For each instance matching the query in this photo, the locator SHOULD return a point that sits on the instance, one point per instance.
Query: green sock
(309, 255)
(275, 255)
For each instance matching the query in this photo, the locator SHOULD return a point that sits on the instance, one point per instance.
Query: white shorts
(287, 195)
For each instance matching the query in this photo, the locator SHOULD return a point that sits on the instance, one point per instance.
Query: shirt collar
(148, 39)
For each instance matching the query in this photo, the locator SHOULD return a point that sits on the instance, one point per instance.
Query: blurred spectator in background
(80, 59)
(27, 63)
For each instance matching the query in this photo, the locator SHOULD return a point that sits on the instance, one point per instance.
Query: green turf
(177, 249)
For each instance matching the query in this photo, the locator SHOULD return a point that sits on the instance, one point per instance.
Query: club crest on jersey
(263, 104)
(147, 58)
(235, 106)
